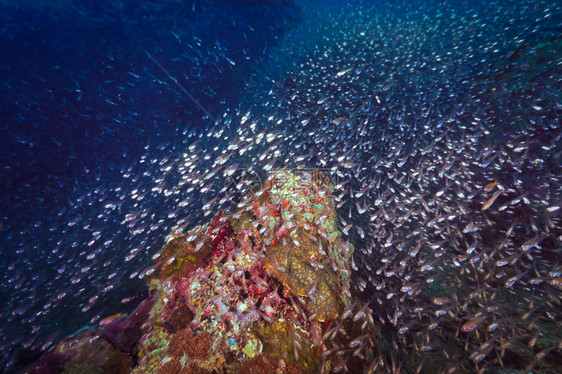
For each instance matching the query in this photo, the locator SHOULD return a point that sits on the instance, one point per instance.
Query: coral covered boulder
(264, 289)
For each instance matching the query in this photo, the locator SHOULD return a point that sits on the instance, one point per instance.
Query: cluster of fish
(70, 237)
(438, 124)
(448, 177)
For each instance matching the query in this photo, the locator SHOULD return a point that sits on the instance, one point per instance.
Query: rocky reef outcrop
(264, 289)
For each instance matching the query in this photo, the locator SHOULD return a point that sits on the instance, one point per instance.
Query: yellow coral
(278, 341)
(253, 347)
(291, 261)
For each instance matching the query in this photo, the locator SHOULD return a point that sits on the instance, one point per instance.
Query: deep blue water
(97, 137)
(75, 92)
(80, 100)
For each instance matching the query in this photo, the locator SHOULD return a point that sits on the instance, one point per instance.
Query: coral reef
(265, 289)
(85, 354)
(107, 348)
(298, 264)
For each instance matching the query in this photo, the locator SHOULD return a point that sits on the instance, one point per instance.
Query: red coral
(261, 364)
(174, 367)
(219, 230)
(194, 369)
(200, 346)
(180, 341)
(180, 318)
(293, 369)
(186, 342)
(170, 367)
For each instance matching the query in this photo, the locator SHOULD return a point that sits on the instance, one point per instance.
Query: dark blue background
(52, 134)
(80, 101)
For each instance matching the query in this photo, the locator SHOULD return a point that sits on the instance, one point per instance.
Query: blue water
(80, 102)
(102, 104)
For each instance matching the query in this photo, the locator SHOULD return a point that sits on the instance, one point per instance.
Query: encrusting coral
(265, 289)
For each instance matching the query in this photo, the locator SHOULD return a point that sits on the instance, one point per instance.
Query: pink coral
(220, 232)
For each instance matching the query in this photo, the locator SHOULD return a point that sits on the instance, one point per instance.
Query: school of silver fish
(443, 141)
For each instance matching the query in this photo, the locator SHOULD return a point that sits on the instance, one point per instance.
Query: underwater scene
(276, 186)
